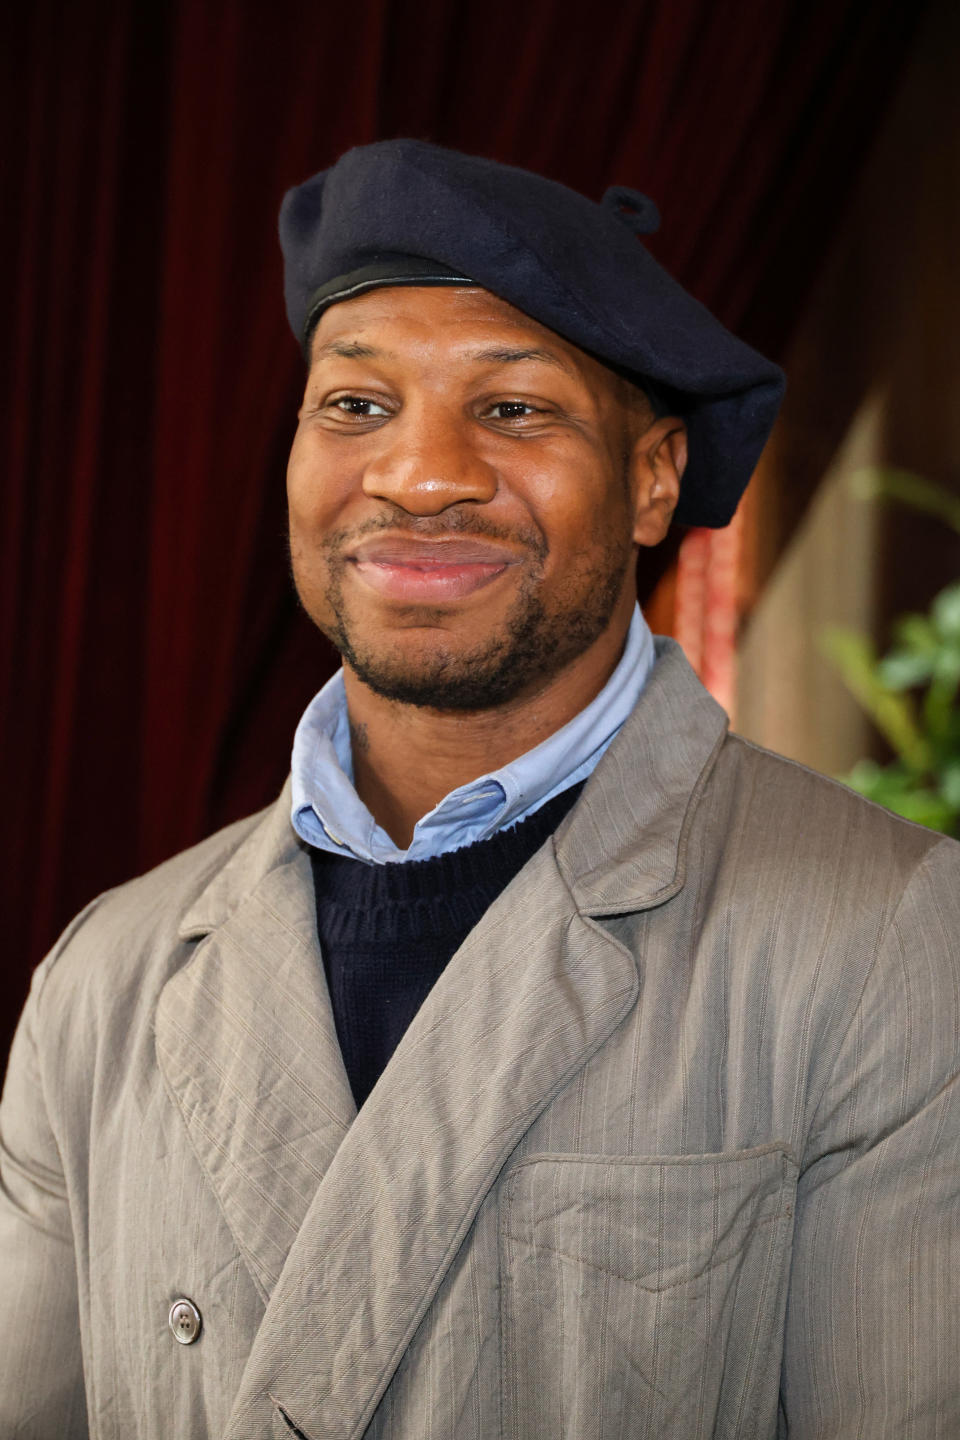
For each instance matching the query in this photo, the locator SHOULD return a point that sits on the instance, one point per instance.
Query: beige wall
(874, 376)
(788, 695)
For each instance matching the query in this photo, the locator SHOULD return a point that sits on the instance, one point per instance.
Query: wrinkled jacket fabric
(671, 1149)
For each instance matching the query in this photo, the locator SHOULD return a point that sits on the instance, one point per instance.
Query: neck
(407, 758)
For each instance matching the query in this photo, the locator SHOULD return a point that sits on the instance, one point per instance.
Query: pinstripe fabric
(672, 1148)
(696, 1254)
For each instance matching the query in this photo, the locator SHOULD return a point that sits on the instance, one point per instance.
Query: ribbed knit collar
(374, 903)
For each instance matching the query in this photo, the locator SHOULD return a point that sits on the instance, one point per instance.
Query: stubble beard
(532, 643)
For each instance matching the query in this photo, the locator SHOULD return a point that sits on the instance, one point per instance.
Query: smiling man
(467, 495)
(547, 1061)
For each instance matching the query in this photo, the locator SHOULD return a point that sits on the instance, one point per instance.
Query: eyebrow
(513, 354)
(493, 355)
(348, 350)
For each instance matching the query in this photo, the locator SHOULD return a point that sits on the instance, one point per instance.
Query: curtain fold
(152, 658)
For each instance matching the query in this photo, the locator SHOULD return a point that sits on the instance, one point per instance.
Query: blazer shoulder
(844, 909)
(774, 791)
(128, 939)
(818, 862)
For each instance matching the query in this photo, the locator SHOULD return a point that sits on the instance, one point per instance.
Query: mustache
(436, 527)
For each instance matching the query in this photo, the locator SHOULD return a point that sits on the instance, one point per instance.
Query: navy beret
(408, 212)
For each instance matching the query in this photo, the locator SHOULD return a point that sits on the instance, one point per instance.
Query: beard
(532, 643)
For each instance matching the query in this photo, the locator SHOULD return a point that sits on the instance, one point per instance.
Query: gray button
(185, 1321)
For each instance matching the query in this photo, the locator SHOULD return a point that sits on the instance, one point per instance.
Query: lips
(421, 570)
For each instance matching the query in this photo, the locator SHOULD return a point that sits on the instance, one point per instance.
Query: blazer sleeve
(873, 1316)
(41, 1371)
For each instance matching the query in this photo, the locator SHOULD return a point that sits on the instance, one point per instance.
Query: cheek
(587, 513)
(315, 491)
(311, 514)
(300, 483)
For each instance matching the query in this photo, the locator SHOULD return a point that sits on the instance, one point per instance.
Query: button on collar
(185, 1321)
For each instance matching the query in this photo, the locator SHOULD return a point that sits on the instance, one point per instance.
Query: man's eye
(512, 410)
(358, 405)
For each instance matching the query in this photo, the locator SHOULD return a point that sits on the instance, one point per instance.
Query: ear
(658, 461)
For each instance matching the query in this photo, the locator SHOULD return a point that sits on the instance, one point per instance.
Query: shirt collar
(328, 814)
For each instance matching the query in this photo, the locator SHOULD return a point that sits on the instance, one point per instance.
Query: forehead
(451, 319)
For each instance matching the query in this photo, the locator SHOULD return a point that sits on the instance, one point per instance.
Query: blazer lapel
(532, 993)
(247, 1045)
(623, 847)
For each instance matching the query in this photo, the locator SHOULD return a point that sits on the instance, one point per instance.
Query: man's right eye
(358, 405)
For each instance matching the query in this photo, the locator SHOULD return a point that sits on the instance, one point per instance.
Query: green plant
(911, 692)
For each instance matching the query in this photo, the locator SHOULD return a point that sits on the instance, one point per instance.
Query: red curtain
(152, 658)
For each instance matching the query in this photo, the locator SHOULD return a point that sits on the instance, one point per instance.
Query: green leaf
(865, 778)
(903, 669)
(915, 633)
(893, 714)
(945, 612)
(940, 699)
(894, 788)
(946, 666)
(925, 807)
(950, 784)
(923, 784)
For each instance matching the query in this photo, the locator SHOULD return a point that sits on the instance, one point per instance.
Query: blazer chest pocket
(644, 1296)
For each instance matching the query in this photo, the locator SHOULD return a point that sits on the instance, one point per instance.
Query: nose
(429, 464)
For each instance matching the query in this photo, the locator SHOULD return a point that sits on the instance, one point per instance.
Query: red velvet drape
(152, 660)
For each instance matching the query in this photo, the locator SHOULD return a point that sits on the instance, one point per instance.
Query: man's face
(462, 506)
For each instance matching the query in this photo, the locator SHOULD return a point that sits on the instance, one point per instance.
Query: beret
(412, 213)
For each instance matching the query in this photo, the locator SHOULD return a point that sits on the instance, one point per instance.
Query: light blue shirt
(329, 814)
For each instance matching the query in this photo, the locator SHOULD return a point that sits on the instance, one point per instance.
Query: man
(619, 1094)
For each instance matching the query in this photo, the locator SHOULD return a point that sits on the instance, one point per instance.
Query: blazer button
(185, 1321)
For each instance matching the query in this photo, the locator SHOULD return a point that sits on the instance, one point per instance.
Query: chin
(518, 657)
(441, 675)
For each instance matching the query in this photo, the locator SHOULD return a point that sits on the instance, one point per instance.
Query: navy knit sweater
(387, 931)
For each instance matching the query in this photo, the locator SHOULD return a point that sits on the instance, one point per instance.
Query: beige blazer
(671, 1150)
